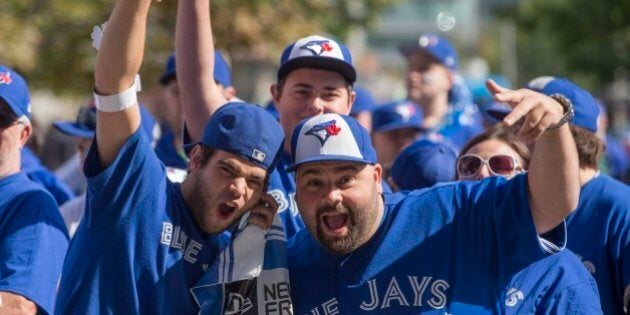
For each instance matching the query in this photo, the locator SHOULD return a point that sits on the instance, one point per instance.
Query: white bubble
(445, 21)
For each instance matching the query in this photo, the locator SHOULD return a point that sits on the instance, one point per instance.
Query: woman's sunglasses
(469, 165)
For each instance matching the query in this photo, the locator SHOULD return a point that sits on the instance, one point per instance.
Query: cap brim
(328, 158)
(319, 62)
(498, 112)
(74, 129)
(393, 126)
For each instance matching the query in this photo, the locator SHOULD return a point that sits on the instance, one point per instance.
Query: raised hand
(262, 214)
(540, 112)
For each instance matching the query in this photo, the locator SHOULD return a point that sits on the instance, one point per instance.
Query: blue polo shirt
(33, 241)
(138, 250)
(455, 248)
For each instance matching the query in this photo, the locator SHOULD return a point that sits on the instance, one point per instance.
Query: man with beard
(144, 241)
(462, 248)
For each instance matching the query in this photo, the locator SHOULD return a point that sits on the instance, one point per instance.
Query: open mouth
(335, 223)
(226, 210)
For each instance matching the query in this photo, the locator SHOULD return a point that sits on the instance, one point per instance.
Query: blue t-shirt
(282, 189)
(137, 250)
(33, 241)
(166, 151)
(455, 248)
(599, 232)
(38, 173)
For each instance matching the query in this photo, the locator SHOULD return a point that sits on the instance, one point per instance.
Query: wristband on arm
(118, 102)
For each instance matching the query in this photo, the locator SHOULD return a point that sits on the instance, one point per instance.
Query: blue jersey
(454, 248)
(38, 173)
(33, 241)
(137, 250)
(599, 232)
(282, 189)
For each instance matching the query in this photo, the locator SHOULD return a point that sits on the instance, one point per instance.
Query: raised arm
(117, 64)
(553, 177)
(194, 50)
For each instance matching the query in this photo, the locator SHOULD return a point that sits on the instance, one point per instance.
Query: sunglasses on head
(469, 165)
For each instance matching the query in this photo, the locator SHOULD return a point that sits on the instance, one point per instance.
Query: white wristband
(118, 102)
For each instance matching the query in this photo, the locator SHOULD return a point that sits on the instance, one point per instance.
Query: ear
(274, 94)
(351, 98)
(196, 157)
(25, 133)
(378, 175)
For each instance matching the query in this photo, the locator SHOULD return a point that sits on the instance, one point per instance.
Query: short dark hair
(504, 134)
(589, 147)
(206, 154)
(7, 116)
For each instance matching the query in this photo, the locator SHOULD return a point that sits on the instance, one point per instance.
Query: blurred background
(515, 40)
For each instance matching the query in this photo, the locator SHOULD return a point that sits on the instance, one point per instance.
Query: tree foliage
(588, 41)
(49, 41)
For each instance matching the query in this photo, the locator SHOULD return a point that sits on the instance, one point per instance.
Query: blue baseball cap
(331, 137)
(320, 53)
(584, 104)
(84, 125)
(364, 102)
(14, 91)
(438, 47)
(422, 164)
(396, 115)
(246, 130)
(222, 72)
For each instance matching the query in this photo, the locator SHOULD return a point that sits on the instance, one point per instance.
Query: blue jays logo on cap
(396, 115)
(318, 47)
(317, 52)
(405, 111)
(324, 130)
(5, 77)
(331, 137)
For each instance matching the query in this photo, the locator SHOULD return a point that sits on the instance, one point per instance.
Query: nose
(237, 187)
(483, 172)
(333, 196)
(316, 107)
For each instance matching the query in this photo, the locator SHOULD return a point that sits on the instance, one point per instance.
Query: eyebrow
(302, 85)
(235, 169)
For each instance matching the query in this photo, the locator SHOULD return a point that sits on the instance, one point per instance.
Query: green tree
(49, 41)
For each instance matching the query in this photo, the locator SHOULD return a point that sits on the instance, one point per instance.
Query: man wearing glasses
(33, 237)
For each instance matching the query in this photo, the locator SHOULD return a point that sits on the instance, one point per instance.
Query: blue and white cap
(331, 137)
(246, 130)
(438, 47)
(320, 53)
(14, 91)
(396, 115)
(584, 104)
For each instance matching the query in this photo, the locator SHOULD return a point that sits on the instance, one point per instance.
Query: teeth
(231, 204)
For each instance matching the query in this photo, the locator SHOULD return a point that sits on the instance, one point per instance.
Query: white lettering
(418, 288)
(373, 297)
(394, 293)
(438, 288)
(179, 239)
(167, 233)
(192, 250)
(330, 307)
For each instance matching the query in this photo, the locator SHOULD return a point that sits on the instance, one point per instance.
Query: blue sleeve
(497, 212)
(624, 265)
(58, 189)
(579, 299)
(32, 250)
(115, 192)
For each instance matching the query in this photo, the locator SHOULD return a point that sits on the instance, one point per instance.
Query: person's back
(427, 257)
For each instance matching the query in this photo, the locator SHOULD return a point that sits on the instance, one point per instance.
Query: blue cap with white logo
(424, 164)
(584, 104)
(331, 137)
(221, 70)
(396, 115)
(438, 47)
(320, 53)
(14, 91)
(246, 130)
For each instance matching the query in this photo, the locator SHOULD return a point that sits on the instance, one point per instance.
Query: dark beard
(199, 205)
(360, 221)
